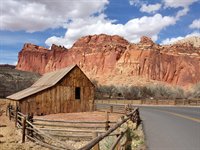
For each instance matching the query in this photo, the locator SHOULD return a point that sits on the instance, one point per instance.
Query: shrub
(195, 91)
(106, 91)
(132, 92)
(161, 91)
(179, 93)
(158, 91)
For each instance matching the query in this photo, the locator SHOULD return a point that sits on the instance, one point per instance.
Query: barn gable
(46, 81)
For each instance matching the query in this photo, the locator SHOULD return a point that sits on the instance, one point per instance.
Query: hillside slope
(12, 80)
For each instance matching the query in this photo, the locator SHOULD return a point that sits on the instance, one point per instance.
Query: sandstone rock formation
(113, 60)
(194, 40)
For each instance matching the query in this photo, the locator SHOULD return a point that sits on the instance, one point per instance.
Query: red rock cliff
(113, 60)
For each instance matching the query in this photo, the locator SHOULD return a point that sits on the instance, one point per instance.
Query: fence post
(23, 129)
(30, 119)
(107, 120)
(111, 109)
(9, 112)
(174, 102)
(16, 116)
(143, 101)
(96, 147)
(125, 109)
(138, 120)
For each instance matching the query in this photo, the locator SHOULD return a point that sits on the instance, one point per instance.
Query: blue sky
(44, 22)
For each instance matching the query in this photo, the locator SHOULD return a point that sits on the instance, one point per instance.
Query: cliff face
(113, 60)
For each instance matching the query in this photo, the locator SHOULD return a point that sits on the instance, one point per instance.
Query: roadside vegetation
(158, 91)
(195, 91)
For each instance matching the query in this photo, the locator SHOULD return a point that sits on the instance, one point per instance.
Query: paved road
(171, 128)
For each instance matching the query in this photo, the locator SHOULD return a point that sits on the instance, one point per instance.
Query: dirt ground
(10, 137)
(83, 116)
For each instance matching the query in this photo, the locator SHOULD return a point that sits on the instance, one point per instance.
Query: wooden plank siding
(61, 97)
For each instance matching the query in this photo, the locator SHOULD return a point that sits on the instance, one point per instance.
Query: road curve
(171, 128)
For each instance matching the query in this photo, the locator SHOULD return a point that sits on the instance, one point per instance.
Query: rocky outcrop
(12, 80)
(194, 40)
(111, 58)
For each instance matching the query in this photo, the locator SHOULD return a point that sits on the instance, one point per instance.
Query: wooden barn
(62, 91)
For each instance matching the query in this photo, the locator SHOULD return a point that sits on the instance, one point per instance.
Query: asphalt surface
(171, 128)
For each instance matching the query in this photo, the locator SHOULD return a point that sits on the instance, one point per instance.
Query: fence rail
(48, 132)
(192, 102)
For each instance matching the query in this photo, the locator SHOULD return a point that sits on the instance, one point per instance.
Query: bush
(195, 91)
(179, 93)
(106, 91)
(132, 92)
(159, 91)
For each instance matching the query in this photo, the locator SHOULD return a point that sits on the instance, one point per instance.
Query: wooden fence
(73, 130)
(109, 108)
(49, 133)
(25, 123)
(132, 115)
(191, 102)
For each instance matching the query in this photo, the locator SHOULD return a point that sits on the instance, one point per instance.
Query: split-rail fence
(49, 133)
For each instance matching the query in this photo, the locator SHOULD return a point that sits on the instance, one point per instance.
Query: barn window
(78, 93)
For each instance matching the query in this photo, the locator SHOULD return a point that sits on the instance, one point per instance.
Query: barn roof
(46, 81)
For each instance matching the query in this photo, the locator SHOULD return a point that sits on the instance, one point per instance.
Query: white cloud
(38, 15)
(132, 30)
(135, 2)
(195, 24)
(184, 4)
(178, 3)
(182, 12)
(150, 8)
(173, 40)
